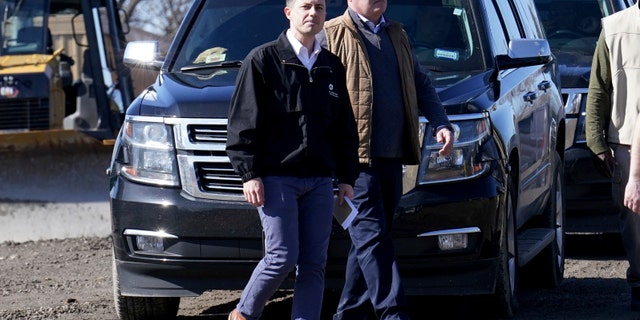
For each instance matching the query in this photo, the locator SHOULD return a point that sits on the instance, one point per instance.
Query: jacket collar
(288, 55)
(347, 19)
(285, 50)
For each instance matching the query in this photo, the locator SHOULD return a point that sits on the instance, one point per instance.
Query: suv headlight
(466, 161)
(148, 153)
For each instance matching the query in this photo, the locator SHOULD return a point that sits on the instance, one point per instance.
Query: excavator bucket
(53, 166)
(54, 186)
(50, 140)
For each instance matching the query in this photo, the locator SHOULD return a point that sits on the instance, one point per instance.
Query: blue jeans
(372, 276)
(296, 220)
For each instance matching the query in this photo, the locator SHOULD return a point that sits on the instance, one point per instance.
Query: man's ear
(287, 12)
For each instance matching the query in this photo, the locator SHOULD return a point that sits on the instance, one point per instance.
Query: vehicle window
(606, 7)
(23, 28)
(500, 43)
(513, 31)
(572, 33)
(529, 18)
(631, 2)
(444, 35)
(225, 31)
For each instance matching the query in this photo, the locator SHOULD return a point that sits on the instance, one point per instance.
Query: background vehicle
(466, 222)
(573, 27)
(62, 80)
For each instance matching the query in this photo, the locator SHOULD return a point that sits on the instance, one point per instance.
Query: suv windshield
(443, 33)
(572, 28)
(23, 30)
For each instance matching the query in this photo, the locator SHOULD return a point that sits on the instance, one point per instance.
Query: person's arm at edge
(242, 131)
(431, 107)
(598, 107)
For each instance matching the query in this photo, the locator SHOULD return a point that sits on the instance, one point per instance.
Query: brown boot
(235, 315)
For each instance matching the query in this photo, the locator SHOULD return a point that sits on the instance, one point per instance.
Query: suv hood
(171, 98)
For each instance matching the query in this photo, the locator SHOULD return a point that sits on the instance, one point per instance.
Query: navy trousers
(629, 221)
(372, 276)
(296, 219)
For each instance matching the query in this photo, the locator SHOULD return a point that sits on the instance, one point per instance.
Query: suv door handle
(544, 85)
(530, 96)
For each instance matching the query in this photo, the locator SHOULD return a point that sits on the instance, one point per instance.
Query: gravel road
(65, 196)
(71, 279)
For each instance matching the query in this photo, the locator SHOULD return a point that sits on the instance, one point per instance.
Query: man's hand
(445, 136)
(254, 192)
(605, 165)
(344, 190)
(632, 196)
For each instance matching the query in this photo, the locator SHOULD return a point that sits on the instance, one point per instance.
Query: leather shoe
(635, 299)
(235, 315)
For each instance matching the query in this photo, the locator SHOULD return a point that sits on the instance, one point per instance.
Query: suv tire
(142, 308)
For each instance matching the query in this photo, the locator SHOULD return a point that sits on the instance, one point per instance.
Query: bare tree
(159, 17)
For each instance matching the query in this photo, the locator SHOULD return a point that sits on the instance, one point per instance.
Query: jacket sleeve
(243, 118)
(598, 108)
(429, 102)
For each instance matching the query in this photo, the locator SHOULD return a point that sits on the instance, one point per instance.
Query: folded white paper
(344, 213)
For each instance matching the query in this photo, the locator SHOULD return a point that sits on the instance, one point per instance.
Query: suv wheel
(140, 308)
(547, 269)
(506, 282)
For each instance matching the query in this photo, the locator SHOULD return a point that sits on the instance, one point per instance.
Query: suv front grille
(205, 169)
(208, 133)
(217, 177)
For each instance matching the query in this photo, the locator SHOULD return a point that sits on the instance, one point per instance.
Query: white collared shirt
(301, 51)
(374, 27)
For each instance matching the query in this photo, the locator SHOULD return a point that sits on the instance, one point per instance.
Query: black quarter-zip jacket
(287, 120)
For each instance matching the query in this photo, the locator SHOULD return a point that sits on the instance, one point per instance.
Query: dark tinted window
(443, 32)
(528, 16)
(513, 30)
(442, 35)
(499, 39)
(23, 29)
(572, 28)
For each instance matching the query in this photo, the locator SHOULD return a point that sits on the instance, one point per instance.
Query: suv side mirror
(141, 54)
(524, 53)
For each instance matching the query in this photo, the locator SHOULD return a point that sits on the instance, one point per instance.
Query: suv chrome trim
(573, 100)
(147, 233)
(205, 169)
(449, 231)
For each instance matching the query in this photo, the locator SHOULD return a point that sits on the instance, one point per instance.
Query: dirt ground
(71, 279)
(65, 196)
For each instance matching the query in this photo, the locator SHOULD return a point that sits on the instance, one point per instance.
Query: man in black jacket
(291, 131)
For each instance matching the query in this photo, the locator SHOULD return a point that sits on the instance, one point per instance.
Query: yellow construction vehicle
(62, 80)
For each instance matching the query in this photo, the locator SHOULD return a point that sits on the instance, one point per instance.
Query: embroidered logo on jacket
(331, 92)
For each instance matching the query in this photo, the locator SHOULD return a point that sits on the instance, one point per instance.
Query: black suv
(466, 222)
(572, 28)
